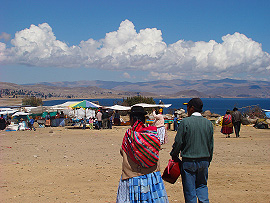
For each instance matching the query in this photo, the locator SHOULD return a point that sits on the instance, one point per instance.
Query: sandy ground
(74, 165)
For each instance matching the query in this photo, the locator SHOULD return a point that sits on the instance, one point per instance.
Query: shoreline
(18, 101)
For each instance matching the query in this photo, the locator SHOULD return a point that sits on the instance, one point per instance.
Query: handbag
(172, 171)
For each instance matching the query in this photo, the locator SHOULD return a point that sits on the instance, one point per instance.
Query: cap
(196, 103)
(137, 110)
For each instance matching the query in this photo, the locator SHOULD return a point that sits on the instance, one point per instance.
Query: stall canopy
(85, 104)
(5, 111)
(65, 105)
(119, 108)
(144, 105)
(19, 115)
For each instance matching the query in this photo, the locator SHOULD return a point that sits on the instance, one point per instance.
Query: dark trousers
(105, 123)
(175, 125)
(237, 126)
(99, 124)
(31, 127)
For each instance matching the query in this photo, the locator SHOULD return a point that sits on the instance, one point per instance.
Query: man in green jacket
(194, 139)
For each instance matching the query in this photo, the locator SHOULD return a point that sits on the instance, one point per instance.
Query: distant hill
(208, 88)
(224, 88)
(58, 91)
(190, 94)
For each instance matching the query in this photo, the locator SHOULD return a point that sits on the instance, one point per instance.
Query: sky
(136, 41)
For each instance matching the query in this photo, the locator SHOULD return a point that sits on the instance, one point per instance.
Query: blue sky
(48, 41)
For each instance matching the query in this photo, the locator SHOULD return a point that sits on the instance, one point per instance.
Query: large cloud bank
(126, 49)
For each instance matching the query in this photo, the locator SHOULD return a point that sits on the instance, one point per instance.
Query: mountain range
(224, 88)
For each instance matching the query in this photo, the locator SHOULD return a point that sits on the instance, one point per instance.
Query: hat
(137, 110)
(196, 103)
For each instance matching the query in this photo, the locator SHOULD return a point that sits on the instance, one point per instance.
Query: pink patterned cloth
(142, 144)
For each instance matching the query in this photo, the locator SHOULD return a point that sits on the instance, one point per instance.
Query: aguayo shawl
(142, 144)
(227, 119)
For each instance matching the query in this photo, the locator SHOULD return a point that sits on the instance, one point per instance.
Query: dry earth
(68, 165)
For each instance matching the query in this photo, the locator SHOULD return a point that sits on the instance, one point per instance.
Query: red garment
(227, 119)
(227, 126)
(142, 144)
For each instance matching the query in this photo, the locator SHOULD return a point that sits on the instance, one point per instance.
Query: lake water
(215, 105)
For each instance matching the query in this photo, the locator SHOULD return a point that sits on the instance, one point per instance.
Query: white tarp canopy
(65, 108)
(20, 114)
(144, 105)
(266, 110)
(5, 111)
(267, 113)
(64, 105)
(119, 108)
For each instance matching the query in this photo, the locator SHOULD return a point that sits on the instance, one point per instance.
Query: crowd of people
(103, 119)
(23, 124)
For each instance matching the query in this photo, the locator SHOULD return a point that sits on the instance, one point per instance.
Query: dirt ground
(74, 165)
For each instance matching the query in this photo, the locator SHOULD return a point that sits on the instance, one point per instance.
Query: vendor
(159, 123)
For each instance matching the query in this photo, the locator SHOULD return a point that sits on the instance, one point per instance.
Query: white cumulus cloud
(126, 48)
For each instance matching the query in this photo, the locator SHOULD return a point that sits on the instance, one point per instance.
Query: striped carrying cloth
(142, 144)
(227, 119)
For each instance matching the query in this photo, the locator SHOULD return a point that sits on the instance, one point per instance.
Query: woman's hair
(228, 112)
(137, 116)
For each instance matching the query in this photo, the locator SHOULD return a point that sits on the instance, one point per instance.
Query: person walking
(141, 180)
(194, 139)
(91, 123)
(116, 119)
(99, 119)
(175, 122)
(236, 120)
(31, 123)
(227, 125)
(105, 119)
(48, 120)
(159, 123)
(2, 122)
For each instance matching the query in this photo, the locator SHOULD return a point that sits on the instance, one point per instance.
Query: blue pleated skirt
(145, 188)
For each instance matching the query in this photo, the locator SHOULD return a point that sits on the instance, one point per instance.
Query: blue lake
(215, 105)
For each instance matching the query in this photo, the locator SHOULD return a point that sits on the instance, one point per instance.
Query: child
(91, 121)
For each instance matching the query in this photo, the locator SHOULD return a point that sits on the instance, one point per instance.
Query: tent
(85, 105)
(7, 111)
(119, 108)
(20, 115)
(65, 105)
(144, 105)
